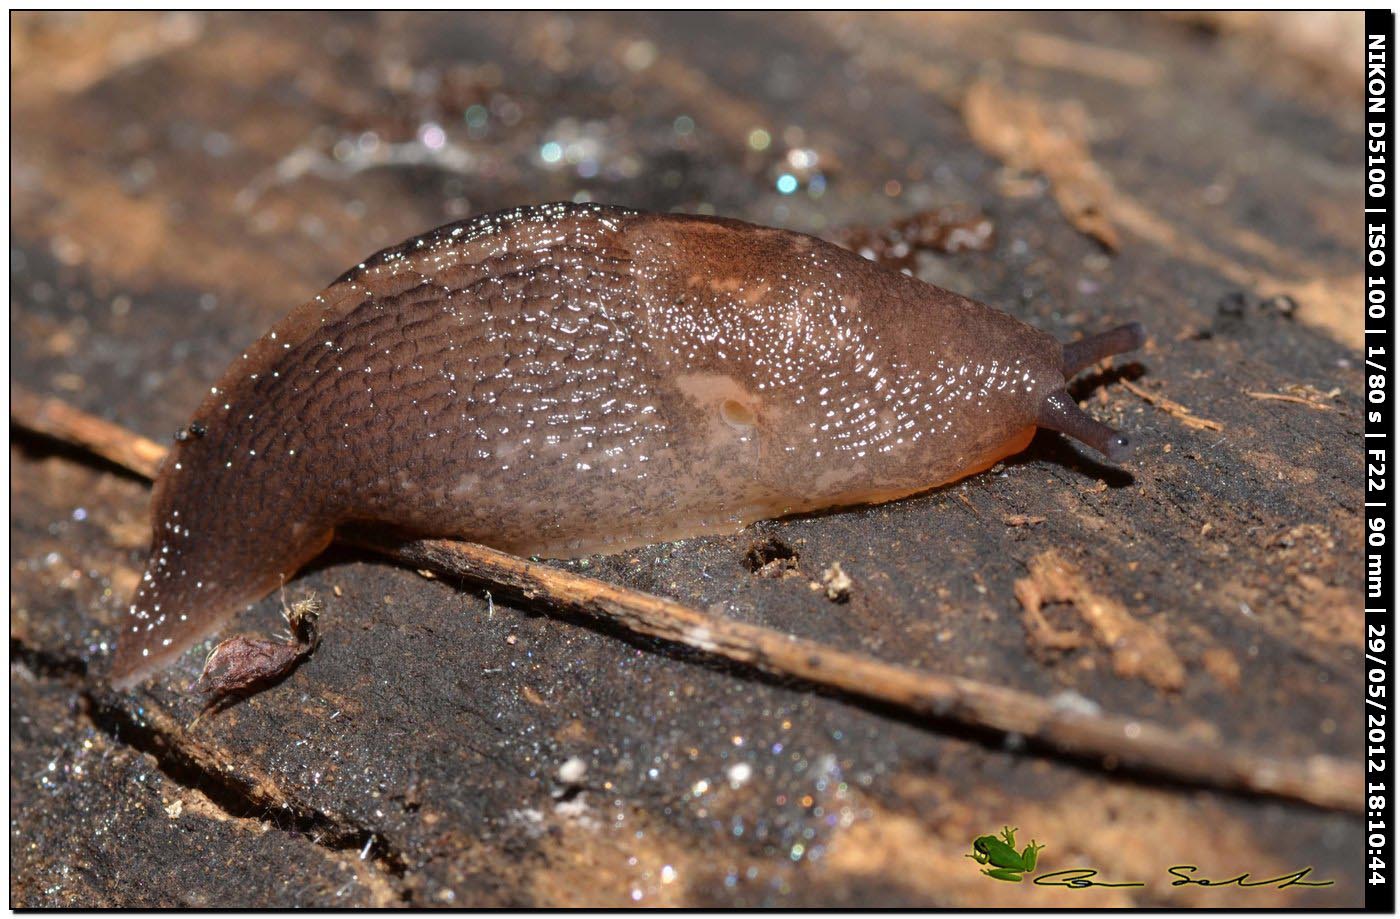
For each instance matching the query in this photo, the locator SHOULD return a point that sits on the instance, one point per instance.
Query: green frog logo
(1000, 853)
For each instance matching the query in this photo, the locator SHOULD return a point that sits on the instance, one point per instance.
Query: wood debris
(1040, 49)
(1030, 137)
(1138, 650)
(1175, 409)
(1300, 394)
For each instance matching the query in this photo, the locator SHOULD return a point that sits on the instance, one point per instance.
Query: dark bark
(181, 183)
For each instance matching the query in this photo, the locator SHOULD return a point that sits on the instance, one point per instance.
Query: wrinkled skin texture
(568, 379)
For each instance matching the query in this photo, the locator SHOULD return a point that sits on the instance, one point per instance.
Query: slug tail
(1060, 413)
(163, 622)
(1086, 352)
(174, 608)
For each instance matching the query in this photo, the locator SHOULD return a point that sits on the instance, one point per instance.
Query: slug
(568, 379)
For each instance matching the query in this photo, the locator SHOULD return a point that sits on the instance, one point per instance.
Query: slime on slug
(567, 379)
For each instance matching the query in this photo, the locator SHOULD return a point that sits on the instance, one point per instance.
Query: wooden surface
(180, 182)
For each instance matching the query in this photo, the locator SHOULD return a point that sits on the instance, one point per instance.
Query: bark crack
(240, 793)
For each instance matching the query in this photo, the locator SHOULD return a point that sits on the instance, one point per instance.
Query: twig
(1040, 49)
(1284, 397)
(1175, 409)
(57, 419)
(1112, 741)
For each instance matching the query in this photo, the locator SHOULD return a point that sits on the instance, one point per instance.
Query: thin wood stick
(57, 419)
(1113, 742)
(1284, 397)
(1171, 407)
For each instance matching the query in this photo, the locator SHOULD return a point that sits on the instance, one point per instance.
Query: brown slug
(567, 379)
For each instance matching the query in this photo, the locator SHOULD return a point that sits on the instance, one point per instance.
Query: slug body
(568, 379)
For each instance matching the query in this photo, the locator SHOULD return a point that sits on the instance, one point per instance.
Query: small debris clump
(838, 583)
(244, 662)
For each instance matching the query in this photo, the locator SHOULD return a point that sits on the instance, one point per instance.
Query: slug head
(1058, 411)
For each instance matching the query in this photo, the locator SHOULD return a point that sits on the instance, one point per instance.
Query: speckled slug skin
(568, 379)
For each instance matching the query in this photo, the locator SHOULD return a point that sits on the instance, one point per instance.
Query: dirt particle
(770, 557)
(897, 245)
(837, 583)
(1222, 667)
(1280, 305)
(1233, 305)
(572, 771)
